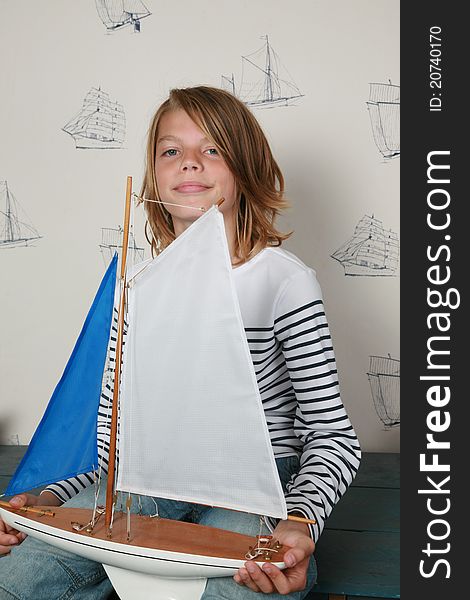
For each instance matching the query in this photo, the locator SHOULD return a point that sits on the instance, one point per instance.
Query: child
(203, 145)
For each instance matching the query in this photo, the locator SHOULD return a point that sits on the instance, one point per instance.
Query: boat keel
(130, 585)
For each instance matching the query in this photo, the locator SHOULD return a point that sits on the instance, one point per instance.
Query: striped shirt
(290, 344)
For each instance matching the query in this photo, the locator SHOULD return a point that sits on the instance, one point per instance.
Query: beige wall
(53, 52)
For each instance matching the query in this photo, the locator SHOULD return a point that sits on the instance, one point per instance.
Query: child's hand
(10, 537)
(269, 578)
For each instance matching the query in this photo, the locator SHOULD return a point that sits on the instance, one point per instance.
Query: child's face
(190, 171)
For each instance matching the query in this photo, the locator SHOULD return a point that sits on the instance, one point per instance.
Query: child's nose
(190, 163)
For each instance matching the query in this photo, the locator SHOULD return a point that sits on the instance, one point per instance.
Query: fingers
(254, 578)
(296, 555)
(22, 500)
(7, 541)
(9, 537)
(18, 501)
(269, 578)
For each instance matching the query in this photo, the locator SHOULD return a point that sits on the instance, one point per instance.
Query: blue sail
(64, 444)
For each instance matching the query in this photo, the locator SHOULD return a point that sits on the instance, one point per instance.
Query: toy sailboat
(191, 424)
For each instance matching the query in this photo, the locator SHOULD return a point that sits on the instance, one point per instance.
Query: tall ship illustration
(384, 379)
(111, 242)
(265, 83)
(372, 250)
(384, 113)
(16, 228)
(100, 124)
(116, 14)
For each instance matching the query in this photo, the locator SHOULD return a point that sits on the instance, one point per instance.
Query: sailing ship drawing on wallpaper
(265, 82)
(384, 113)
(100, 124)
(16, 228)
(117, 14)
(143, 554)
(384, 379)
(371, 251)
(111, 243)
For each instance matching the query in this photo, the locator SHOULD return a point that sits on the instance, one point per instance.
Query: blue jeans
(35, 570)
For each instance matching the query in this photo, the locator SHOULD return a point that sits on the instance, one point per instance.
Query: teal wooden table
(358, 554)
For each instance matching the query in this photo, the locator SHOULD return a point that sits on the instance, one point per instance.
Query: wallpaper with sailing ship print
(333, 125)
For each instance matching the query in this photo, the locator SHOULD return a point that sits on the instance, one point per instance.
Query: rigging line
(200, 208)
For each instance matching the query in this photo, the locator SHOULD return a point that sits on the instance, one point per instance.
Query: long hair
(239, 139)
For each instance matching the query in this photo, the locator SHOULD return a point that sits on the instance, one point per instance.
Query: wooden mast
(118, 363)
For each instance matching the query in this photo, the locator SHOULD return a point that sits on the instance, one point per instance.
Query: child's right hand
(10, 537)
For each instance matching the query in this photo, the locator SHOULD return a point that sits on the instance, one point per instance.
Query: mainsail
(384, 379)
(100, 124)
(384, 113)
(190, 398)
(265, 82)
(116, 14)
(372, 250)
(16, 230)
(65, 442)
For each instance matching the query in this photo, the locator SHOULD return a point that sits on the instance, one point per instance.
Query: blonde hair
(238, 137)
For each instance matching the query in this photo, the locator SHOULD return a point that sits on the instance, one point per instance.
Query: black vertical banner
(435, 244)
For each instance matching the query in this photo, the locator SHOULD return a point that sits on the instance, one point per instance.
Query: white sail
(192, 425)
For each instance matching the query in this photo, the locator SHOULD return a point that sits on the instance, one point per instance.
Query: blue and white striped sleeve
(330, 453)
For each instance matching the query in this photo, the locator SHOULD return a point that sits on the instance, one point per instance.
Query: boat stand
(130, 585)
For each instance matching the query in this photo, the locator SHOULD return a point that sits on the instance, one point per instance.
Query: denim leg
(37, 571)
(225, 587)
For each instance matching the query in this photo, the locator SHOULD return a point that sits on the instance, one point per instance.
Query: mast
(117, 372)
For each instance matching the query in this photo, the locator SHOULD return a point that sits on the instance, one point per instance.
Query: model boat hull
(169, 549)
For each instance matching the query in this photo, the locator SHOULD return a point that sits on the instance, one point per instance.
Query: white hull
(126, 556)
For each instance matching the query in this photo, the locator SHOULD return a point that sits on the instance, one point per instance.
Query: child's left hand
(269, 578)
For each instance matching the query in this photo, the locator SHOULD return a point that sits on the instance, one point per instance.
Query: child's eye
(170, 152)
(212, 151)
